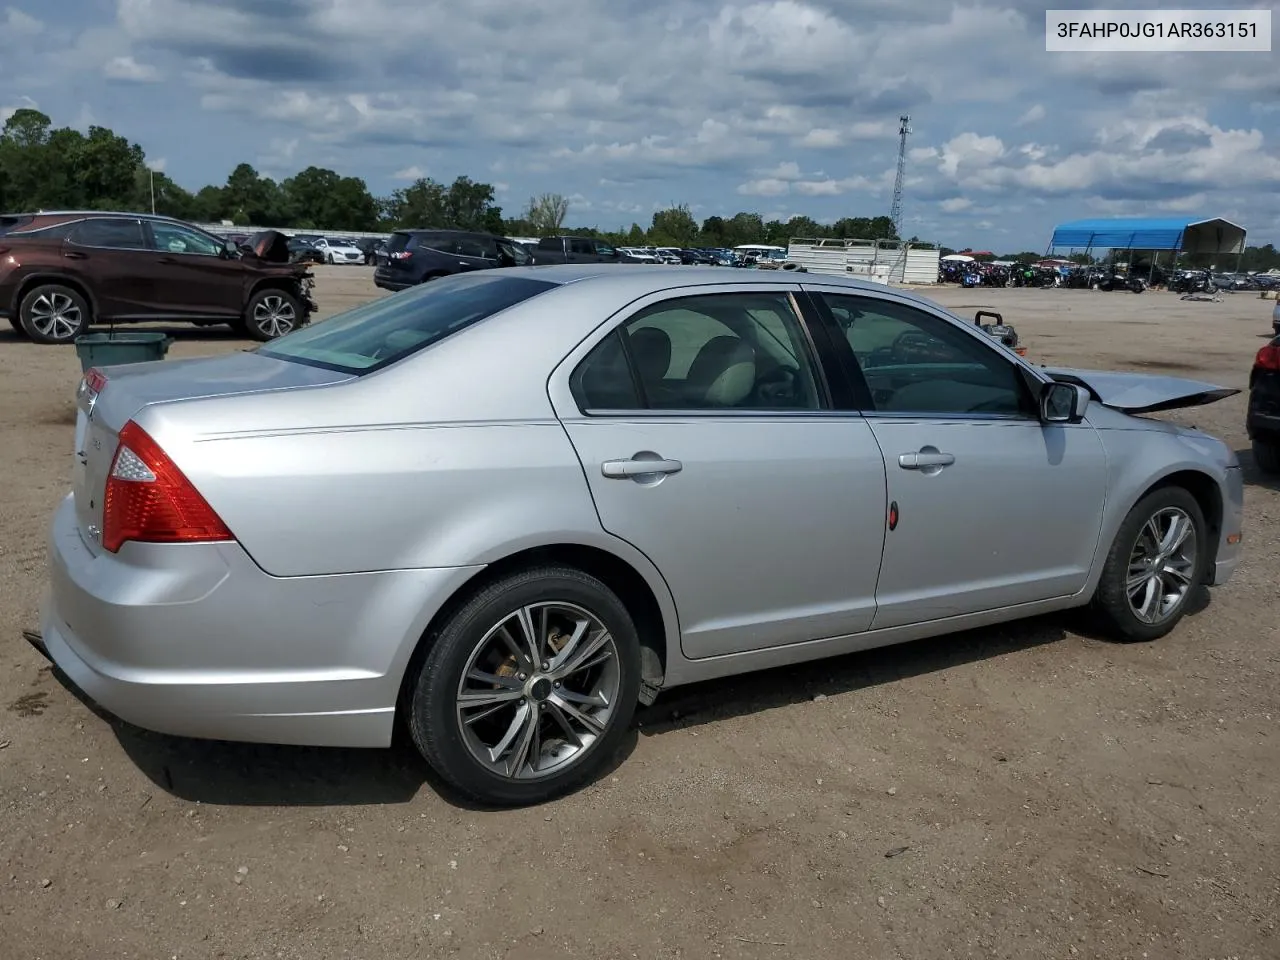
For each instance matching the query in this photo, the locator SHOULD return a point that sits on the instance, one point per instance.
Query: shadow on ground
(1253, 475)
(218, 772)
(237, 774)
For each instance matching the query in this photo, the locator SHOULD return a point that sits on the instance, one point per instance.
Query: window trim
(614, 325)
(860, 392)
(148, 243)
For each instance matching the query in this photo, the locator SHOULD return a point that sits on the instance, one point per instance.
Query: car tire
(1267, 457)
(330, 259)
(271, 313)
(1168, 583)
(17, 327)
(52, 313)
(518, 707)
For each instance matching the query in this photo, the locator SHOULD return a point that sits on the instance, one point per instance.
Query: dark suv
(416, 256)
(61, 272)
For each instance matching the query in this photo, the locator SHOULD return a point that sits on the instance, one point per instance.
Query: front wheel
(53, 313)
(528, 689)
(1156, 561)
(271, 313)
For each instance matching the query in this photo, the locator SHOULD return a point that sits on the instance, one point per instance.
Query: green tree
(545, 214)
(320, 198)
(674, 226)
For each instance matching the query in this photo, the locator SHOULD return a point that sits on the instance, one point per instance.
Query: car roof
(669, 276)
(67, 214)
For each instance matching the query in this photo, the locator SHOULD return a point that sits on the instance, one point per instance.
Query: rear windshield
(397, 242)
(383, 331)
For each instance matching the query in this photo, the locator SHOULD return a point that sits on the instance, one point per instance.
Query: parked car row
(61, 271)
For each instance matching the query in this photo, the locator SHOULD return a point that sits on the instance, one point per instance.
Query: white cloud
(1033, 115)
(821, 138)
(19, 24)
(127, 68)
(732, 102)
(157, 164)
(410, 173)
(767, 187)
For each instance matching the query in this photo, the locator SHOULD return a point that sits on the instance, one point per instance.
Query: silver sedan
(503, 508)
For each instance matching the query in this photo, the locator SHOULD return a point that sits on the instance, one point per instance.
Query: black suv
(416, 256)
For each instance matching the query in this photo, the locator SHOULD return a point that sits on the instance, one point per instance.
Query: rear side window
(116, 234)
(14, 223)
(383, 331)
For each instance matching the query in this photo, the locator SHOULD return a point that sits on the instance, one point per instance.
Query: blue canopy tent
(1179, 234)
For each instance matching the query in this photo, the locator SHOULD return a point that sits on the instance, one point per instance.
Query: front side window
(515, 252)
(173, 238)
(916, 363)
(391, 328)
(468, 247)
(115, 234)
(739, 351)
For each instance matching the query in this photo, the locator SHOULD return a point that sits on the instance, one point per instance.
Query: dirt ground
(1022, 792)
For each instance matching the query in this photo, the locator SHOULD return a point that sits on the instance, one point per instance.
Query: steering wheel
(909, 343)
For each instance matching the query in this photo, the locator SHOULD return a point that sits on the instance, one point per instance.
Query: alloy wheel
(274, 316)
(1162, 564)
(56, 316)
(538, 690)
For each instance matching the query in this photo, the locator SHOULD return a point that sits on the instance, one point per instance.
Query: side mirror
(1063, 402)
(230, 250)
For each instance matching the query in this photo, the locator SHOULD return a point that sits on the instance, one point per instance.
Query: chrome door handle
(628, 469)
(920, 461)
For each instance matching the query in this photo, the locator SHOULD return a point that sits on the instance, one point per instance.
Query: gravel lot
(1024, 792)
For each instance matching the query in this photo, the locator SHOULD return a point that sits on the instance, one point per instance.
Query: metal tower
(895, 212)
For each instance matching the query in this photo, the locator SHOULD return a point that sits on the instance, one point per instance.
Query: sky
(783, 108)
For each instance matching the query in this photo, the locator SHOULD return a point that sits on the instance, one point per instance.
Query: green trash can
(108, 349)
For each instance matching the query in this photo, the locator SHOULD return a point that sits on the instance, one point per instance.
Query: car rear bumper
(392, 283)
(195, 640)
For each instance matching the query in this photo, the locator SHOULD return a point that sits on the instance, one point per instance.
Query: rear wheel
(271, 313)
(1156, 561)
(17, 327)
(528, 689)
(52, 313)
(1267, 457)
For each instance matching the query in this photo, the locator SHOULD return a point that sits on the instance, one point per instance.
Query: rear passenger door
(706, 430)
(475, 253)
(581, 250)
(113, 257)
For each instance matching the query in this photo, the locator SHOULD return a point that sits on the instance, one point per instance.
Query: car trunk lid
(109, 397)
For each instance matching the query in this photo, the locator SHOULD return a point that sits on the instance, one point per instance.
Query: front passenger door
(994, 508)
(193, 278)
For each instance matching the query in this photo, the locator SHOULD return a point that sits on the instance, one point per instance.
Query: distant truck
(579, 250)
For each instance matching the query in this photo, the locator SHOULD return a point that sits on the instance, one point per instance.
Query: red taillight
(149, 499)
(95, 379)
(400, 255)
(1268, 358)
